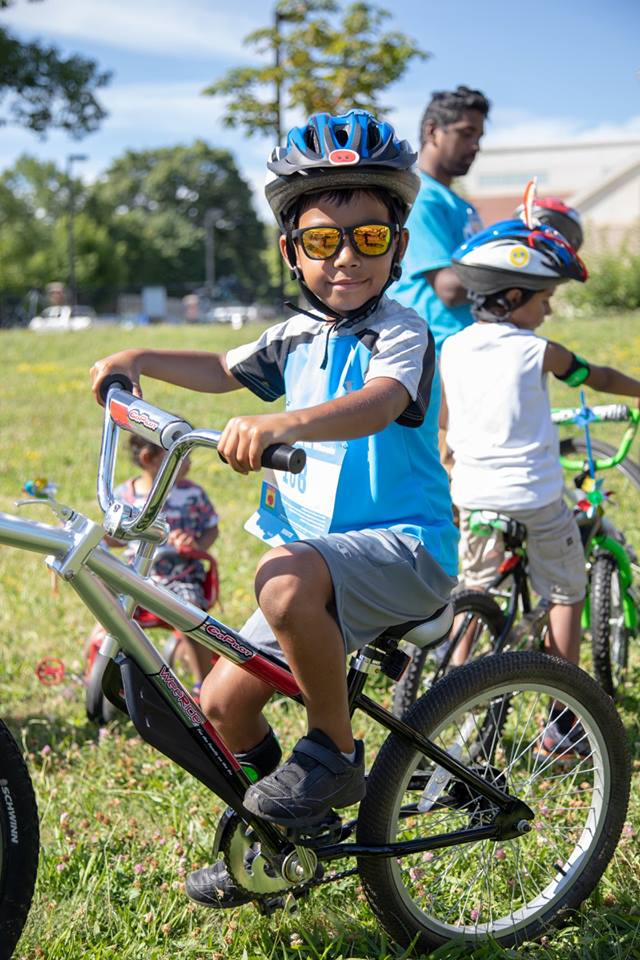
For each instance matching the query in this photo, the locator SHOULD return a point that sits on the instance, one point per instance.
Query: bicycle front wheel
(477, 624)
(609, 635)
(506, 890)
(19, 842)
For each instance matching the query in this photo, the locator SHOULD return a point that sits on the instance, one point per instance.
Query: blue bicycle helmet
(508, 255)
(350, 151)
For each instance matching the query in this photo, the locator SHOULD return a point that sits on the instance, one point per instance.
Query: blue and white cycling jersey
(394, 478)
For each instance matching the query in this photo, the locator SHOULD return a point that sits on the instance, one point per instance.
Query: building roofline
(574, 145)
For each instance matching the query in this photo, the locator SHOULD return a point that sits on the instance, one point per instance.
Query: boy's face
(533, 313)
(346, 280)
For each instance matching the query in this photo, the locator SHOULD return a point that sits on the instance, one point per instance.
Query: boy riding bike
(367, 539)
(499, 420)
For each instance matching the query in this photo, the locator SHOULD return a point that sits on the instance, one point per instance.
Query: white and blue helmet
(509, 255)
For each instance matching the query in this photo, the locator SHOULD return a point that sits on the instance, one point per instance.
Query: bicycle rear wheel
(478, 621)
(19, 842)
(609, 635)
(509, 890)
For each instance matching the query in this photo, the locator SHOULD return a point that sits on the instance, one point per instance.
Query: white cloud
(171, 27)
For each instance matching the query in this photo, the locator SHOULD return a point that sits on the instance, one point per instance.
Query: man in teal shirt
(450, 133)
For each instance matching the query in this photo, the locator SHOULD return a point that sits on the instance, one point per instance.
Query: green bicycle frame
(630, 612)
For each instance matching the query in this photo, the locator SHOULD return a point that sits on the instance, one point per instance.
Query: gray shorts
(380, 579)
(554, 548)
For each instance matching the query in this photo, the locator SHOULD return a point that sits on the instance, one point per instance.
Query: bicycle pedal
(327, 830)
(268, 905)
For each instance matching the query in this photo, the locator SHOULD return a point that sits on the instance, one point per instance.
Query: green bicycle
(504, 618)
(611, 607)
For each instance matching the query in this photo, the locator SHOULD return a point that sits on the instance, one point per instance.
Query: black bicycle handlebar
(123, 382)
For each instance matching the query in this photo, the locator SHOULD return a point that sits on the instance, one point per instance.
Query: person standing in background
(450, 133)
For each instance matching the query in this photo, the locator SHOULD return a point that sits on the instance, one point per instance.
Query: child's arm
(206, 539)
(359, 414)
(196, 370)
(559, 361)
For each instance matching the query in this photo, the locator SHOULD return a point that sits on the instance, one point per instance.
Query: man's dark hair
(447, 106)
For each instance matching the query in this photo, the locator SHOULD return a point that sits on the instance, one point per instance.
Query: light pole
(212, 219)
(71, 159)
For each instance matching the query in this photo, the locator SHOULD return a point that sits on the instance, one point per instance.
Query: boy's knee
(291, 581)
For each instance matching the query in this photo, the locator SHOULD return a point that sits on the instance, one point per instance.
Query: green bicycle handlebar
(610, 412)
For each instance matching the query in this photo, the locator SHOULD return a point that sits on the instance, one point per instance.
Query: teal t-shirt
(439, 222)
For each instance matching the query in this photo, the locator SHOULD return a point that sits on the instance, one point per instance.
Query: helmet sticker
(519, 256)
(343, 156)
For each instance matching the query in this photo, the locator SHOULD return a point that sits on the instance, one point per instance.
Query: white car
(64, 318)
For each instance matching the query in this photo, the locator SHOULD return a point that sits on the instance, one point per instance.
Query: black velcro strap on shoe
(328, 758)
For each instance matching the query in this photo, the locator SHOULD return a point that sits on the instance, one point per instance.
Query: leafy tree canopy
(322, 63)
(157, 200)
(40, 89)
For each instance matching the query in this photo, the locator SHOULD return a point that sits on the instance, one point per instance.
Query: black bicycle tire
(410, 686)
(375, 821)
(573, 447)
(19, 842)
(97, 707)
(603, 570)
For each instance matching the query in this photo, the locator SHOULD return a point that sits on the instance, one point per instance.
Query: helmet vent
(373, 137)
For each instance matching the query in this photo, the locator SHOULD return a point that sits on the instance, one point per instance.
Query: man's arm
(558, 360)
(359, 414)
(195, 370)
(447, 287)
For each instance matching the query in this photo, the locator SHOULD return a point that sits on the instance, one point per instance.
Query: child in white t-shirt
(498, 417)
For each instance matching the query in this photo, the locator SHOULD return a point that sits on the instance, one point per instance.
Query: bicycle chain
(298, 890)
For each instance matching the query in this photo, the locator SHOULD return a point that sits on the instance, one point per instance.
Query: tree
(155, 202)
(34, 210)
(320, 66)
(45, 89)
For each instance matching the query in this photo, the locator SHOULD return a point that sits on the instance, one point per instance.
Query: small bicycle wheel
(98, 708)
(478, 622)
(609, 635)
(19, 842)
(508, 890)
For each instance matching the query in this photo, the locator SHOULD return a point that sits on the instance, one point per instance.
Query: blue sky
(554, 70)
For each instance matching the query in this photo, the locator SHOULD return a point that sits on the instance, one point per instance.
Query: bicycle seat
(482, 522)
(425, 633)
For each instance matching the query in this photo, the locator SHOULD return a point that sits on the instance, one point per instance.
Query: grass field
(120, 825)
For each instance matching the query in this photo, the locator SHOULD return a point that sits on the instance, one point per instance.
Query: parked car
(237, 314)
(64, 318)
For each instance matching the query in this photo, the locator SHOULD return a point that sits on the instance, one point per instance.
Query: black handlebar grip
(112, 379)
(281, 456)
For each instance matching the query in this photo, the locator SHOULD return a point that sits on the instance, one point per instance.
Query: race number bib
(300, 506)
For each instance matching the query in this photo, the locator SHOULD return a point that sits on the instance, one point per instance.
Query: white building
(601, 179)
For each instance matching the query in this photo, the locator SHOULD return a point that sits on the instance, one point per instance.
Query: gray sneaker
(315, 779)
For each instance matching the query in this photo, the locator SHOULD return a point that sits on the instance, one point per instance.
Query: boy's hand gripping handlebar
(177, 437)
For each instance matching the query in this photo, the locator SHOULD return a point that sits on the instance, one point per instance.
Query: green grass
(120, 824)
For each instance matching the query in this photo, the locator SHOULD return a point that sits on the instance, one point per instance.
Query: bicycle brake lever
(61, 511)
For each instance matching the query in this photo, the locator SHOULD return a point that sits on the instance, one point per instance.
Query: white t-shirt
(500, 430)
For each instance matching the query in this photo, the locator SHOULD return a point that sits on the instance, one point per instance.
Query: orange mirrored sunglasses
(368, 239)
